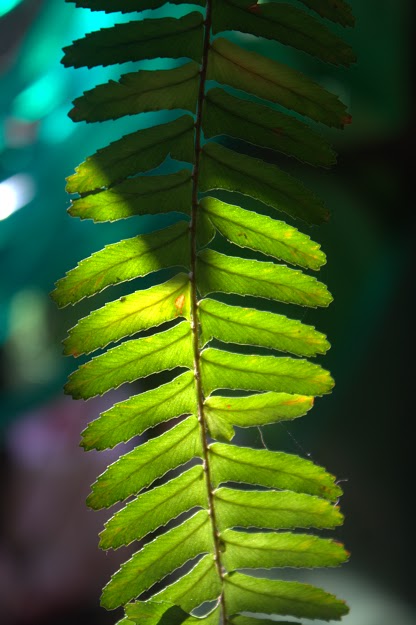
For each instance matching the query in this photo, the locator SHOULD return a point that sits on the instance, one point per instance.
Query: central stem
(194, 300)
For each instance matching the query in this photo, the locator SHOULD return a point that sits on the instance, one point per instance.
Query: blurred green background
(360, 432)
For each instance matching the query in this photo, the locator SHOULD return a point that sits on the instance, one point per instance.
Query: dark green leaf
(140, 92)
(274, 469)
(282, 23)
(222, 168)
(236, 67)
(335, 10)
(155, 508)
(253, 594)
(137, 40)
(141, 412)
(142, 466)
(128, 6)
(157, 559)
(143, 195)
(224, 114)
(138, 152)
(218, 273)
(221, 369)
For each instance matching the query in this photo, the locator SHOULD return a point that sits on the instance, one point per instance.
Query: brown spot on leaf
(346, 120)
(179, 304)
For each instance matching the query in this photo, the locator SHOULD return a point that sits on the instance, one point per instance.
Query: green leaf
(155, 508)
(222, 413)
(143, 195)
(130, 314)
(262, 467)
(222, 168)
(254, 73)
(335, 10)
(139, 413)
(282, 23)
(166, 613)
(248, 326)
(125, 260)
(219, 273)
(134, 41)
(142, 466)
(284, 549)
(157, 559)
(253, 594)
(140, 92)
(138, 152)
(201, 584)
(133, 360)
(249, 620)
(273, 510)
(261, 233)
(224, 114)
(221, 369)
(127, 6)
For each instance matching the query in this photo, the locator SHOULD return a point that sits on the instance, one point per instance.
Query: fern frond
(210, 494)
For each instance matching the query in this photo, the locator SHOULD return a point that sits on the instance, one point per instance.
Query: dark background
(50, 568)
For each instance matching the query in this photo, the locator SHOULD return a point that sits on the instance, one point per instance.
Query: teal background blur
(360, 432)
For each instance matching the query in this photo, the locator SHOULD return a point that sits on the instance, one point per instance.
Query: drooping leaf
(144, 195)
(134, 41)
(230, 463)
(273, 510)
(130, 314)
(261, 233)
(138, 152)
(155, 508)
(128, 259)
(253, 594)
(222, 168)
(141, 412)
(223, 413)
(282, 549)
(248, 326)
(177, 469)
(230, 64)
(284, 23)
(157, 559)
(224, 114)
(227, 274)
(140, 467)
(140, 92)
